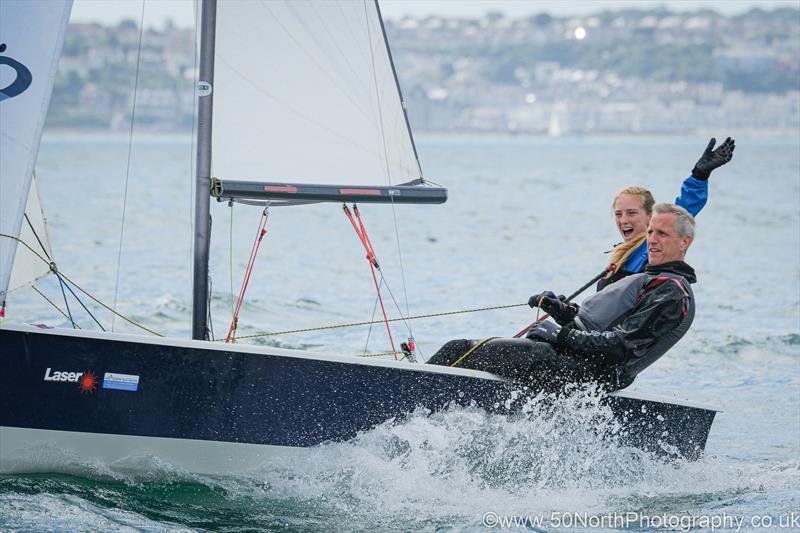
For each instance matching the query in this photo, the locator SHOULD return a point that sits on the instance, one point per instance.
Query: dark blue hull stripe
(184, 392)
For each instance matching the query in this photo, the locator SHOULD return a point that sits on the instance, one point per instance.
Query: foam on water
(453, 466)
(46, 512)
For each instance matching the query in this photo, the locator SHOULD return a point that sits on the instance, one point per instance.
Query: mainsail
(305, 93)
(28, 60)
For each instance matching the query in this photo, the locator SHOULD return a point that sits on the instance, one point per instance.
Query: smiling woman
(633, 207)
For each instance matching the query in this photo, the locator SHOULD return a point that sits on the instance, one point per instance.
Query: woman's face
(630, 216)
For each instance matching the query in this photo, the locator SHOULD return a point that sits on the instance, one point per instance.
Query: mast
(202, 220)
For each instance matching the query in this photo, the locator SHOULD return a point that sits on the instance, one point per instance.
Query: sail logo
(21, 82)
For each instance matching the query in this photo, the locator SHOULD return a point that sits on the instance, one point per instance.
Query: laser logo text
(60, 375)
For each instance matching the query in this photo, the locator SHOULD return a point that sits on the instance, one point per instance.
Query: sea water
(524, 214)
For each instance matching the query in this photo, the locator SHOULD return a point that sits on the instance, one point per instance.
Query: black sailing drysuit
(617, 333)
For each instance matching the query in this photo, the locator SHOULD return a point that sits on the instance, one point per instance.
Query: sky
(181, 11)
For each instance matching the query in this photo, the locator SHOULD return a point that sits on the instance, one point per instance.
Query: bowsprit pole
(610, 268)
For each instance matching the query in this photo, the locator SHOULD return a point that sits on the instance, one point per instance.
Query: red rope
(361, 231)
(530, 327)
(248, 271)
(366, 237)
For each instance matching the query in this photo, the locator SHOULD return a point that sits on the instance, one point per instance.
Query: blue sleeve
(637, 259)
(694, 194)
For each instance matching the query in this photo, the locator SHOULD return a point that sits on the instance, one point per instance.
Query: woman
(633, 208)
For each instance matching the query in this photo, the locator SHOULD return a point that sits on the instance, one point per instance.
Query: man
(615, 334)
(632, 207)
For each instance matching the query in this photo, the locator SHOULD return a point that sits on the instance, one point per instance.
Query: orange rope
(361, 231)
(231, 337)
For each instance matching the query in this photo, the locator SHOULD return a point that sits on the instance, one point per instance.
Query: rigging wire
(372, 319)
(66, 303)
(210, 284)
(84, 291)
(62, 284)
(400, 311)
(388, 169)
(209, 321)
(81, 302)
(44, 251)
(48, 300)
(398, 319)
(128, 166)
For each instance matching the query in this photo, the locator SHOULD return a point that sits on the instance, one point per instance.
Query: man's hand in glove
(561, 311)
(544, 331)
(712, 159)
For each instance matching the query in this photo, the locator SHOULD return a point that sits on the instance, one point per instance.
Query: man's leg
(517, 359)
(451, 352)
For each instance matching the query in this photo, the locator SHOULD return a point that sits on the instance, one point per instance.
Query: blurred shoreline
(626, 71)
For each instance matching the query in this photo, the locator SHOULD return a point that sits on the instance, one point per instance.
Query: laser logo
(87, 381)
(61, 375)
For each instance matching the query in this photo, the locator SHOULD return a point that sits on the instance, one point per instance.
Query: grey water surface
(524, 214)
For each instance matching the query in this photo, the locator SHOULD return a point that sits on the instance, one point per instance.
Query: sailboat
(306, 107)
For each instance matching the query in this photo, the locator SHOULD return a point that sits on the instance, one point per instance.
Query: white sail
(28, 267)
(304, 92)
(31, 37)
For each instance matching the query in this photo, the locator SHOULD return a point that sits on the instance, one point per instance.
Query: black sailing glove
(544, 331)
(712, 159)
(555, 306)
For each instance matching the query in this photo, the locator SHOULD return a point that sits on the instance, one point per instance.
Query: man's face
(630, 216)
(663, 243)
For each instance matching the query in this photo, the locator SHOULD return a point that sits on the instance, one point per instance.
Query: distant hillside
(615, 71)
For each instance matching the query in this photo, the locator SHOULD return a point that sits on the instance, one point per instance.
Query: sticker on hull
(126, 382)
